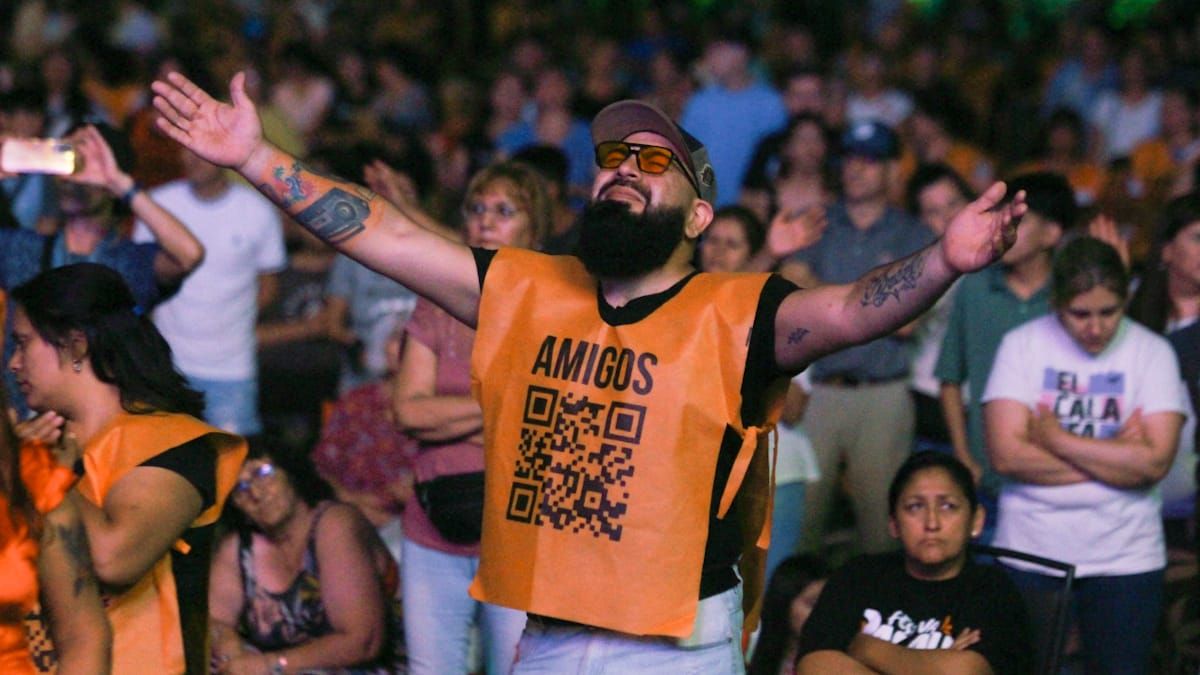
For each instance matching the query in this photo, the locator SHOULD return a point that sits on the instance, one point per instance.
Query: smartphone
(37, 155)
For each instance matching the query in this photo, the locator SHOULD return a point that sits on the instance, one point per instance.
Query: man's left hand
(983, 230)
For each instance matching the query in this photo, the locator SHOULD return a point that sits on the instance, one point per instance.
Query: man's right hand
(221, 133)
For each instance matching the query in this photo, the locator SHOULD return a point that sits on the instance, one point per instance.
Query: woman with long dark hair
(789, 600)
(1168, 297)
(154, 477)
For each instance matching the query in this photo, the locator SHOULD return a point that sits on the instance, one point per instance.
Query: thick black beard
(616, 244)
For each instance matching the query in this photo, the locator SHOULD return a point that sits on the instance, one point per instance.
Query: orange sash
(145, 618)
(47, 483)
(602, 443)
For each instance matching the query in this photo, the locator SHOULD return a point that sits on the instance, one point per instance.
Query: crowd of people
(457, 342)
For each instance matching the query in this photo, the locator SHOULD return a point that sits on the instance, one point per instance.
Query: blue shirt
(577, 146)
(21, 253)
(730, 124)
(30, 197)
(846, 253)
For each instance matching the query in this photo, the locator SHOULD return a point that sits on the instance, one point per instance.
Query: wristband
(127, 198)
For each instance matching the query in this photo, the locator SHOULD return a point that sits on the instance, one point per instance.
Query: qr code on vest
(574, 462)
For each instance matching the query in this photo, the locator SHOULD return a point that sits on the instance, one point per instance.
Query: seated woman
(301, 583)
(927, 608)
(154, 477)
(791, 595)
(1083, 410)
(39, 536)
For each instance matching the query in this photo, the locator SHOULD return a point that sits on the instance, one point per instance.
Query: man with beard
(624, 394)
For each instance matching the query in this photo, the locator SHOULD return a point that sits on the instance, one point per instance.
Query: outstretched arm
(814, 322)
(347, 216)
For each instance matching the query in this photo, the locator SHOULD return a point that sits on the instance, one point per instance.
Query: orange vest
(602, 444)
(147, 637)
(47, 484)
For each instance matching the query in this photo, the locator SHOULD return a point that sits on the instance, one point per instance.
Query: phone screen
(37, 155)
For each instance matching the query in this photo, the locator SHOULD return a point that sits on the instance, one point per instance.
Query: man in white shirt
(209, 323)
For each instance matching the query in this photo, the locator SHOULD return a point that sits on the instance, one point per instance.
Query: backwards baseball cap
(872, 139)
(618, 120)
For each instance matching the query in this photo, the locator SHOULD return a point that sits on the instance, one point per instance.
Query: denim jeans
(714, 648)
(438, 615)
(1117, 616)
(231, 405)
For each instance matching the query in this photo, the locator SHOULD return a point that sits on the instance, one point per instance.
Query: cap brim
(618, 121)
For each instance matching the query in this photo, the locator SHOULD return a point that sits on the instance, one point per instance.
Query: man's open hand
(983, 230)
(221, 133)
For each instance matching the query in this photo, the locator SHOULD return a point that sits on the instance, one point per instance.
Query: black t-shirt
(196, 462)
(724, 545)
(874, 594)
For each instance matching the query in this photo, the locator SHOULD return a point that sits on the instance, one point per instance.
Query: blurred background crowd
(416, 98)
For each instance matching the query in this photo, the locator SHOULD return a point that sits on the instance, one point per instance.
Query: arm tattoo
(797, 335)
(890, 282)
(74, 542)
(271, 193)
(296, 188)
(336, 216)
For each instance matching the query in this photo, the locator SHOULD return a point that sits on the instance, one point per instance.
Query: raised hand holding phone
(53, 156)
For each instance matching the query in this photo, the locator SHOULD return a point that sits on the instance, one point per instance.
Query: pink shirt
(451, 341)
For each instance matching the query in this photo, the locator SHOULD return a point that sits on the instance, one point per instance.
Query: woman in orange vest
(40, 535)
(153, 476)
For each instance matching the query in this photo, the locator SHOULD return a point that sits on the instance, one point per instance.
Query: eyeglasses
(652, 159)
(479, 209)
(264, 470)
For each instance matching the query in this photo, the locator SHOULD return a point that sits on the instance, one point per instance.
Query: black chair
(1050, 646)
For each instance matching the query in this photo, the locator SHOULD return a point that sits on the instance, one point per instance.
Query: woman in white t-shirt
(1083, 410)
